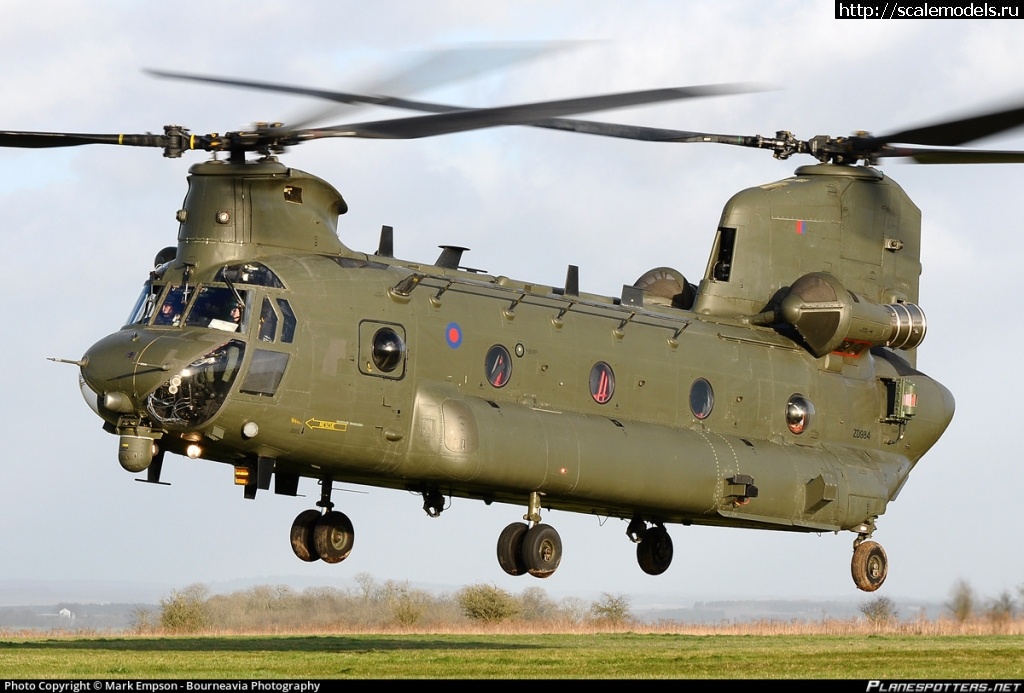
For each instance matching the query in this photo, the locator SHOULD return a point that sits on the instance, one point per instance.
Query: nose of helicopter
(124, 367)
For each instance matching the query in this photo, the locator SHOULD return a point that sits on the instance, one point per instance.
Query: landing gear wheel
(654, 552)
(542, 550)
(334, 536)
(302, 535)
(510, 548)
(869, 566)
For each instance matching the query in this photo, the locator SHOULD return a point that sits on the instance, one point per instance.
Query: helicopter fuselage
(357, 368)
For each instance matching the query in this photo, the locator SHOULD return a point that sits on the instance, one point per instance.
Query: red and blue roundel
(453, 335)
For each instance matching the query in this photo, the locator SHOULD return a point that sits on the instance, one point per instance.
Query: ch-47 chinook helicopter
(780, 392)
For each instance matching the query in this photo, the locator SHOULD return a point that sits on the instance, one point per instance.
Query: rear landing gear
(653, 546)
(654, 552)
(869, 566)
(510, 548)
(542, 550)
(536, 550)
(328, 537)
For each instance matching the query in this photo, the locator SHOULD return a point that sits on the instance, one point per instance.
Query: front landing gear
(302, 535)
(869, 566)
(334, 536)
(536, 550)
(328, 537)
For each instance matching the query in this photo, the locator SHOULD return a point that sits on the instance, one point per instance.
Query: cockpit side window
(268, 322)
(288, 329)
(145, 304)
(723, 257)
(172, 308)
(219, 308)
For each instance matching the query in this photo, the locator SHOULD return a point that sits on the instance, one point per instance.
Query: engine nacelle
(830, 318)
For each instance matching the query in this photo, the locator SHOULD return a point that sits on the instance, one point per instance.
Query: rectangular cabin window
(721, 269)
(265, 372)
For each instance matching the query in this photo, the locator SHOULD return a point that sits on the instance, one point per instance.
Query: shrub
(487, 603)
(186, 610)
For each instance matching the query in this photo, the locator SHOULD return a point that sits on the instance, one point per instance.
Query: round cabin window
(388, 349)
(702, 398)
(498, 365)
(602, 382)
(798, 413)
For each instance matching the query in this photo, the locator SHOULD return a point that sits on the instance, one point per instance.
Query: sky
(82, 225)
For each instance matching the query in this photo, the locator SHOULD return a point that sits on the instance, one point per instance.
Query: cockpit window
(249, 273)
(219, 308)
(145, 304)
(172, 308)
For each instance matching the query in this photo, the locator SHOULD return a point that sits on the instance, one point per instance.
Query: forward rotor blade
(955, 132)
(418, 70)
(954, 156)
(47, 140)
(521, 114)
(336, 96)
(501, 115)
(640, 132)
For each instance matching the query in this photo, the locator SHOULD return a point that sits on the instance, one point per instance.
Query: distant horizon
(98, 591)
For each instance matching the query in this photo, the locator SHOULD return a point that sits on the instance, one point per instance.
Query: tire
(654, 552)
(302, 535)
(333, 537)
(870, 566)
(542, 550)
(510, 548)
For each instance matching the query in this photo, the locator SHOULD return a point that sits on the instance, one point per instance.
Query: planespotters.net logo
(943, 686)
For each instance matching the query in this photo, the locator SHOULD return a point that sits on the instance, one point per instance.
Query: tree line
(963, 606)
(376, 605)
(371, 604)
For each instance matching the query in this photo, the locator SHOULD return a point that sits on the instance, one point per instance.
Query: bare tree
(962, 602)
(880, 611)
(1001, 610)
(143, 620)
(535, 605)
(574, 609)
(611, 608)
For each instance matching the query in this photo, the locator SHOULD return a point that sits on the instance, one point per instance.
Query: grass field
(500, 656)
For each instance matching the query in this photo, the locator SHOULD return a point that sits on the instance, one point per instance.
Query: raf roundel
(453, 335)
